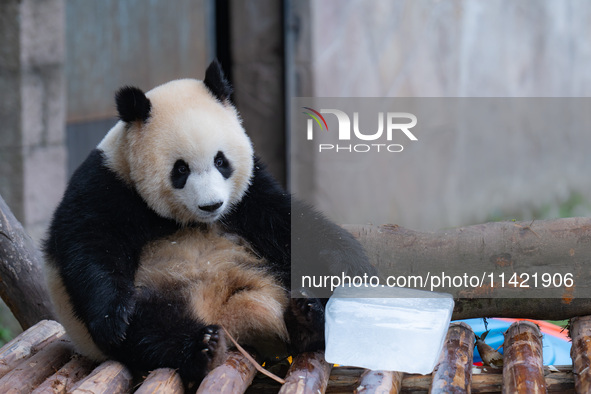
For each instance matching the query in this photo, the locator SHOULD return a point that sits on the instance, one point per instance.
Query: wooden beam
(233, 376)
(453, 373)
(32, 371)
(162, 380)
(379, 382)
(523, 369)
(29, 342)
(308, 374)
(545, 246)
(580, 352)
(65, 378)
(109, 377)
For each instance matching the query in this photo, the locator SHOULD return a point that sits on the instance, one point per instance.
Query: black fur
(223, 165)
(160, 336)
(132, 104)
(179, 174)
(216, 82)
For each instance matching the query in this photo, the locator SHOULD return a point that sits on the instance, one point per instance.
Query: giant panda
(172, 229)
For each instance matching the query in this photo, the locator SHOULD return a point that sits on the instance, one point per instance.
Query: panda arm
(95, 240)
(161, 334)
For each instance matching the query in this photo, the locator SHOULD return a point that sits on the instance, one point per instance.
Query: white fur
(186, 122)
(205, 188)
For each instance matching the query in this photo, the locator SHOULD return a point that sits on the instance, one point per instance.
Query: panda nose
(211, 207)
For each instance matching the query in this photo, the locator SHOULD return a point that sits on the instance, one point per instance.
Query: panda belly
(219, 281)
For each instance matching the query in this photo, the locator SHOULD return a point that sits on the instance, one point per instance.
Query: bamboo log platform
(580, 332)
(42, 360)
(523, 369)
(453, 373)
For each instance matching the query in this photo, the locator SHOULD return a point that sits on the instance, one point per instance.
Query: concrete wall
(32, 109)
(258, 75)
(428, 48)
(111, 43)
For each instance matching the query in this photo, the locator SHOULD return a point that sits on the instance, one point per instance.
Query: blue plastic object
(556, 346)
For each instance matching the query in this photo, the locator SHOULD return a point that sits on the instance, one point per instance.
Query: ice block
(392, 329)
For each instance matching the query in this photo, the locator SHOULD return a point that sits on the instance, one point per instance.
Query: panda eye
(223, 165)
(180, 173)
(220, 160)
(182, 169)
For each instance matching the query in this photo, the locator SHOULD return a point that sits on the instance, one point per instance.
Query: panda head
(182, 147)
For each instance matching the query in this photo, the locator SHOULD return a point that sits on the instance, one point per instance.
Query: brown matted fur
(223, 282)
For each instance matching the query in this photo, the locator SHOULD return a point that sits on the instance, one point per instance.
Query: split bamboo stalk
(308, 374)
(233, 376)
(379, 382)
(523, 370)
(29, 373)
(162, 380)
(580, 352)
(109, 377)
(453, 373)
(65, 378)
(25, 344)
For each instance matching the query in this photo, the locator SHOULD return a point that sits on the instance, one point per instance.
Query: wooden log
(487, 380)
(24, 345)
(344, 380)
(29, 373)
(65, 378)
(544, 246)
(379, 382)
(22, 286)
(109, 377)
(233, 376)
(523, 370)
(527, 308)
(162, 380)
(308, 374)
(453, 373)
(580, 352)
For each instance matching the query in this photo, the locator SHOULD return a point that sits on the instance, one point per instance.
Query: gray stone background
(62, 60)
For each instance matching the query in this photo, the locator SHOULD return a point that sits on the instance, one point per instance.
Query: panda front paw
(212, 346)
(109, 330)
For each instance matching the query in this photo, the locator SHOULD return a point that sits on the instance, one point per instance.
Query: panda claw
(213, 345)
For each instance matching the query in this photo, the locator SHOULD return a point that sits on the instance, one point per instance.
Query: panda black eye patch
(179, 174)
(223, 165)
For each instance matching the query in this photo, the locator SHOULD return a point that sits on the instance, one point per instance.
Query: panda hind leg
(162, 335)
(305, 324)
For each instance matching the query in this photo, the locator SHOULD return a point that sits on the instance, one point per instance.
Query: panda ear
(132, 104)
(216, 81)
